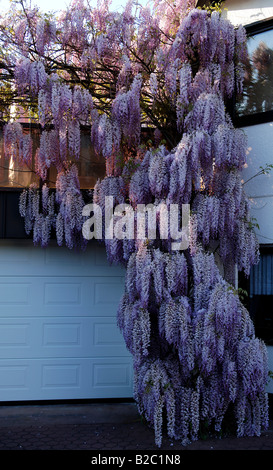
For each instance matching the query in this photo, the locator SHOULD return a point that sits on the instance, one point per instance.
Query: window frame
(254, 29)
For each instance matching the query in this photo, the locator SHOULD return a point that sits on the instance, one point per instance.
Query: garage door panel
(14, 292)
(67, 379)
(63, 293)
(15, 339)
(59, 296)
(58, 337)
(82, 337)
(19, 296)
(26, 259)
(108, 292)
(20, 256)
(112, 376)
(15, 377)
(107, 339)
(61, 376)
(35, 379)
(58, 330)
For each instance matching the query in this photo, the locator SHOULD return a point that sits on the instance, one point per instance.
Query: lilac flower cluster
(214, 40)
(195, 358)
(70, 200)
(30, 74)
(193, 343)
(224, 216)
(60, 211)
(65, 109)
(45, 33)
(17, 145)
(38, 209)
(125, 121)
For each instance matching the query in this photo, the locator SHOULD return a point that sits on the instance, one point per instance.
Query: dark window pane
(261, 278)
(261, 297)
(261, 311)
(258, 88)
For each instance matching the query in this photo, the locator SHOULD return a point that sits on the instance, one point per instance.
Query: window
(256, 105)
(11, 175)
(90, 166)
(261, 295)
(13, 179)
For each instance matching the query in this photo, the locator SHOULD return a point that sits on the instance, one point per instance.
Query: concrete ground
(98, 428)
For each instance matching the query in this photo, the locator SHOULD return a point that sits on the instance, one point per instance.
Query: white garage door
(58, 333)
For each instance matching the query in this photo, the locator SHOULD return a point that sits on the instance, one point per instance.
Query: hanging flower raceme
(229, 146)
(180, 188)
(175, 327)
(38, 209)
(71, 203)
(48, 154)
(159, 173)
(139, 188)
(46, 211)
(126, 111)
(217, 42)
(154, 392)
(17, 145)
(82, 105)
(102, 136)
(45, 33)
(30, 74)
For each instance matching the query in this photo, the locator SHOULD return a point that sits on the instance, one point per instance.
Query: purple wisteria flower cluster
(155, 92)
(46, 211)
(196, 358)
(17, 144)
(61, 112)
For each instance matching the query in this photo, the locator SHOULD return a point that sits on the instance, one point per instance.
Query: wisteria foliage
(171, 70)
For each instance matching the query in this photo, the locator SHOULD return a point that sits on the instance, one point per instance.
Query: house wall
(260, 187)
(260, 141)
(260, 136)
(247, 11)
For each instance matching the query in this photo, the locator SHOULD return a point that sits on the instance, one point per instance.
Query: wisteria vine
(171, 71)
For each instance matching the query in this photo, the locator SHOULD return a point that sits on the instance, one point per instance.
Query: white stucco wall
(260, 188)
(260, 191)
(247, 11)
